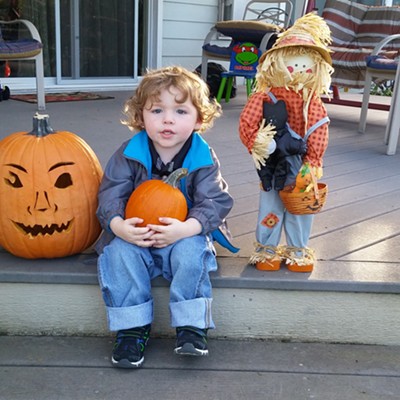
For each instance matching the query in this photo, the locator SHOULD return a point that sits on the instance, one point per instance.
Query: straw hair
(263, 139)
(309, 36)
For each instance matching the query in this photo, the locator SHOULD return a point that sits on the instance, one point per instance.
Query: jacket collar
(198, 156)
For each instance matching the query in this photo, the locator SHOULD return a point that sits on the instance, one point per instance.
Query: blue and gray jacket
(204, 188)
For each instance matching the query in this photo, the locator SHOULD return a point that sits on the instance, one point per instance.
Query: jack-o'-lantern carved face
(48, 193)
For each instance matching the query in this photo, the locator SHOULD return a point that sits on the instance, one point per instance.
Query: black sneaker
(191, 341)
(129, 347)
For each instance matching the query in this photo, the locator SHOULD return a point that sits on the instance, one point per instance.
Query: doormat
(60, 97)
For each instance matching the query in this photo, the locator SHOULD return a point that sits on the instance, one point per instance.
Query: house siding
(185, 25)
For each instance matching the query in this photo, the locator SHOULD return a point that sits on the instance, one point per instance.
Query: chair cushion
(14, 49)
(221, 52)
(246, 31)
(382, 63)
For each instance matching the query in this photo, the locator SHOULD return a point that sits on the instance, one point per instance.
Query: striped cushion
(356, 30)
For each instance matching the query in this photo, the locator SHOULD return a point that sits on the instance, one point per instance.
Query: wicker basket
(306, 202)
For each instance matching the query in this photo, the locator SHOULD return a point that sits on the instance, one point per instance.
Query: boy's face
(168, 123)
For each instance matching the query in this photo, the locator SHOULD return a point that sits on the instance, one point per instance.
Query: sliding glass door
(98, 40)
(94, 42)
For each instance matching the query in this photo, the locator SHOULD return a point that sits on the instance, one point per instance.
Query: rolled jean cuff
(129, 317)
(196, 312)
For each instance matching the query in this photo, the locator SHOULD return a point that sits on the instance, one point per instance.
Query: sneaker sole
(189, 350)
(126, 364)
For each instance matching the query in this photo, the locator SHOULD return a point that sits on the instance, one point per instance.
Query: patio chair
(381, 67)
(262, 21)
(26, 49)
(356, 30)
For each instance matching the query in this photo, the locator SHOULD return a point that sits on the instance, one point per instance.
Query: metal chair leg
(40, 82)
(365, 101)
(393, 125)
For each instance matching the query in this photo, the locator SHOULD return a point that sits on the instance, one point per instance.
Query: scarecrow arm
(250, 119)
(318, 140)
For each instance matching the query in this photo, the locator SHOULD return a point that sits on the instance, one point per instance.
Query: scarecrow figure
(297, 71)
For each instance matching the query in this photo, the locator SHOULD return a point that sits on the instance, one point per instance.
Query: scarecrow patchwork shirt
(317, 142)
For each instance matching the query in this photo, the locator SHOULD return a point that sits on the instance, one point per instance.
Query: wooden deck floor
(360, 221)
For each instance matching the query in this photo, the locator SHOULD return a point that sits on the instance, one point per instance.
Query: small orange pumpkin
(48, 192)
(154, 198)
(303, 179)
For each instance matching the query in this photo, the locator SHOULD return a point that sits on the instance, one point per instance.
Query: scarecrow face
(302, 64)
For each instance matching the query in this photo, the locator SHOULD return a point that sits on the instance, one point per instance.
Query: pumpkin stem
(176, 176)
(41, 125)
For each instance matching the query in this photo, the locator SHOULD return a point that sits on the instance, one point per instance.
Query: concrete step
(340, 302)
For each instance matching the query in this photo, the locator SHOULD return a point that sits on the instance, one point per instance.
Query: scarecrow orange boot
(299, 259)
(266, 258)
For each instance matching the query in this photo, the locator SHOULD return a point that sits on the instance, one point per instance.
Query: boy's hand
(128, 231)
(173, 230)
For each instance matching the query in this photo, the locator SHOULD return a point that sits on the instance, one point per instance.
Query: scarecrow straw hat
(308, 31)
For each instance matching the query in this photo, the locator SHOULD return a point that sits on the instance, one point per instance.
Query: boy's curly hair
(155, 81)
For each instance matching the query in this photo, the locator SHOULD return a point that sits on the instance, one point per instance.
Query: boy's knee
(190, 245)
(119, 247)
(194, 250)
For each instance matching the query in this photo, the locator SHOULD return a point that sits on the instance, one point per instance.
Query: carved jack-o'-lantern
(48, 192)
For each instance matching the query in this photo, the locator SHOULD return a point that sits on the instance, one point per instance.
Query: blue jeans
(125, 272)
